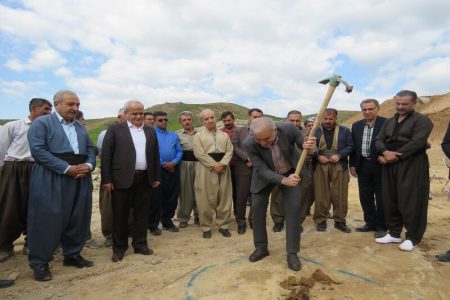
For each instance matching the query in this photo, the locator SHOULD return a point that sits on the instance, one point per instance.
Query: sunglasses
(162, 120)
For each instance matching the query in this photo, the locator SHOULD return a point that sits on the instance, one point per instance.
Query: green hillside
(95, 126)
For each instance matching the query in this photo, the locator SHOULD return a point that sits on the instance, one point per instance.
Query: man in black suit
(364, 165)
(273, 152)
(130, 168)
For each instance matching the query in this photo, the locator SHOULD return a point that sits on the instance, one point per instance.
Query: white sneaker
(388, 239)
(407, 245)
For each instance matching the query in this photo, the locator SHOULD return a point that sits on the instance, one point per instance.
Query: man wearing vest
(331, 175)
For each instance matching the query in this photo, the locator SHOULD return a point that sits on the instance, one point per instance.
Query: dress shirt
(71, 133)
(100, 138)
(13, 140)
(281, 164)
(139, 141)
(366, 139)
(169, 146)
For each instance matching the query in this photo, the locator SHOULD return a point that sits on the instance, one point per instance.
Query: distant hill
(95, 126)
(436, 107)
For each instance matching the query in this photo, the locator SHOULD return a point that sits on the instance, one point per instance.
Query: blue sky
(267, 54)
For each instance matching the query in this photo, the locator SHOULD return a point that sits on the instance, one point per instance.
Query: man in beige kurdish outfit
(214, 150)
(188, 167)
(331, 175)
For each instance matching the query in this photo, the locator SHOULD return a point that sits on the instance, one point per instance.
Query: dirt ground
(185, 266)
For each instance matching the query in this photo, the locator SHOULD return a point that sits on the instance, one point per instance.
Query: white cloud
(41, 58)
(261, 53)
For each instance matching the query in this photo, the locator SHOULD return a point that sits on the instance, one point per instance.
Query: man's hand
(218, 168)
(155, 184)
(72, 171)
(292, 180)
(310, 144)
(83, 170)
(353, 172)
(108, 186)
(170, 167)
(382, 160)
(334, 158)
(391, 156)
(249, 163)
(323, 159)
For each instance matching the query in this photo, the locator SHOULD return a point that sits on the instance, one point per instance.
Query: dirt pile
(300, 288)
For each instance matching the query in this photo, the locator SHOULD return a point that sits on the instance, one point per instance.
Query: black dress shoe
(117, 256)
(207, 234)
(293, 262)
(365, 228)
(144, 251)
(225, 232)
(196, 221)
(155, 231)
(4, 283)
(321, 226)
(342, 227)
(183, 224)
(241, 229)
(444, 257)
(258, 254)
(42, 273)
(171, 228)
(277, 227)
(77, 261)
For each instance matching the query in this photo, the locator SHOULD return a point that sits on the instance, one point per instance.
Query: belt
(189, 156)
(72, 158)
(217, 156)
(140, 172)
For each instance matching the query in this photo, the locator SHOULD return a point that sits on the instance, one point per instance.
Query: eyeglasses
(162, 120)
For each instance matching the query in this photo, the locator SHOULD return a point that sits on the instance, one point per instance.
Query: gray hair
(121, 112)
(126, 106)
(185, 113)
(59, 96)
(374, 101)
(260, 124)
(206, 110)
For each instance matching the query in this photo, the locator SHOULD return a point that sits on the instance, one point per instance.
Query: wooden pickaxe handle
(317, 121)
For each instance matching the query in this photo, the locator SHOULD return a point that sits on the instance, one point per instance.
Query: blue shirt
(169, 146)
(71, 133)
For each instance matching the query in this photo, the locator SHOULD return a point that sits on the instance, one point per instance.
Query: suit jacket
(46, 136)
(238, 138)
(263, 167)
(344, 147)
(119, 156)
(357, 136)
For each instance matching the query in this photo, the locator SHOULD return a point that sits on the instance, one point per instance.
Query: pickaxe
(334, 82)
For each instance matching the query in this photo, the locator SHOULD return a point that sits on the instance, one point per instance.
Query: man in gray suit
(274, 155)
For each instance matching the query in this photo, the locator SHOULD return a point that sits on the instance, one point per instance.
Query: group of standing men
(148, 171)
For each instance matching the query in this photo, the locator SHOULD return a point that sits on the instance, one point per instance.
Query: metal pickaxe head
(335, 80)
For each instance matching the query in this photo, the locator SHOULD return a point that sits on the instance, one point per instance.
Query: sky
(265, 54)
